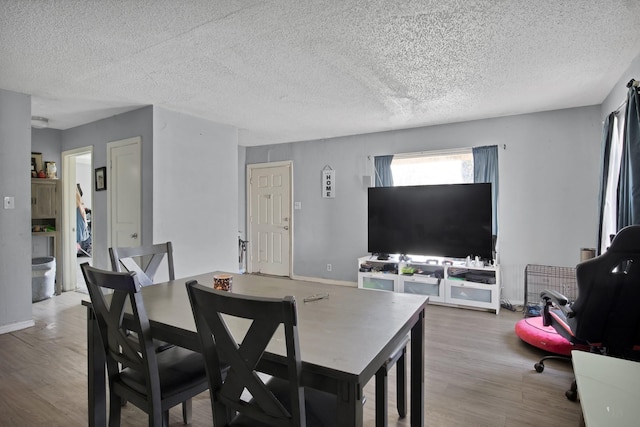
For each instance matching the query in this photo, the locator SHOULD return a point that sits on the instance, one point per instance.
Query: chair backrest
(244, 354)
(143, 260)
(606, 310)
(123, 350)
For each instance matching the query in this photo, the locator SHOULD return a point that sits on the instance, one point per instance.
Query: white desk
(609, 389)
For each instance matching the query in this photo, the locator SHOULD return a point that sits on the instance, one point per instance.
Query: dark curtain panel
(382, 164)
(607, 135)
(629, 186)
(485, 169)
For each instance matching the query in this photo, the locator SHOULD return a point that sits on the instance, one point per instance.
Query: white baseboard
(16, 326)
(327, 281)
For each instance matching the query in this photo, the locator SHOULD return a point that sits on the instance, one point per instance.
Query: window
(441, 167)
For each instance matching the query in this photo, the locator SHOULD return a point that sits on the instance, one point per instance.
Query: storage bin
(43, 278)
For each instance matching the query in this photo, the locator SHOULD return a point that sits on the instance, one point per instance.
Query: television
(452, 220)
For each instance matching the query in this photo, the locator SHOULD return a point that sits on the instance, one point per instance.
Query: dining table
(346, 334)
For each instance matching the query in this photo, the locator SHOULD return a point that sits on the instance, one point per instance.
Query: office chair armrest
(550, 298)
(556, 297)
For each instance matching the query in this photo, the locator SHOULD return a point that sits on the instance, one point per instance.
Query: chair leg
(114, 410)
(165, 420)
(539, 367)
(401, 386)
(187, 411)
(398, 357)
(381, 397)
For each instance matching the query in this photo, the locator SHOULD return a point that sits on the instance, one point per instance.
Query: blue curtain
(607, 136)
(382, 165)
(485, 169)
(629, 185)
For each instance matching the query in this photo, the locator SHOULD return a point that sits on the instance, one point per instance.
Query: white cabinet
(380, 281)
(473, 294)
(425, 285)
(445, 282)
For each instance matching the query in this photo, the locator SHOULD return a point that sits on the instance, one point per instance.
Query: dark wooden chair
(273, 402)
(143, 260)
(399, 358)
(152, 381)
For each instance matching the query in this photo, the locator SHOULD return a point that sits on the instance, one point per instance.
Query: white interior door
(269, 217)
(124, 187)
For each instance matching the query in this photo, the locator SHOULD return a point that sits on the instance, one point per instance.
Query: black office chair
(273, 402)
(152, 381)
(143, 260)
(605, 315)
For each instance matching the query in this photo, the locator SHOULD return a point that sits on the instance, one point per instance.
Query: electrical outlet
(9, 202)
(328, 267)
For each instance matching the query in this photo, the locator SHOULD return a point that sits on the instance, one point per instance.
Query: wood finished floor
(477, 373)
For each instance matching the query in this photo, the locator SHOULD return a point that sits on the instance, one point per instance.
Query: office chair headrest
(627, 240)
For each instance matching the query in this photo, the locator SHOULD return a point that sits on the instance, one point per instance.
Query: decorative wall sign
(101, 178)
(328, 183)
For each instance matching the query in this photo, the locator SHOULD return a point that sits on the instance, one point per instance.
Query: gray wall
(49, 143)
(548, 189)
(15, 224)
(242, 192)
(195, 191)
(98, 134)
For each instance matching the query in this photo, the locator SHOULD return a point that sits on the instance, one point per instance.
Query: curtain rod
(617, 110)
(631, 83)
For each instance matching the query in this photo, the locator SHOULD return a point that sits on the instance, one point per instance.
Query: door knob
(286, 227)
(134, 236)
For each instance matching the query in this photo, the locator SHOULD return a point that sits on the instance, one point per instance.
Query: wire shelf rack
(540, 277)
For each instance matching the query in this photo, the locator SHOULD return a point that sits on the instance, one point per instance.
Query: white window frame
(399, 158)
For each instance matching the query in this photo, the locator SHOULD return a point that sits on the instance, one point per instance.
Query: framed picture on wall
(36, 164)
(101, 178)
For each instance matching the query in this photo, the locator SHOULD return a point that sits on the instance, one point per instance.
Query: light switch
(297, 205)
(9, 202)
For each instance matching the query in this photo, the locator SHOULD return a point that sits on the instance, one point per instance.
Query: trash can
(43, 278)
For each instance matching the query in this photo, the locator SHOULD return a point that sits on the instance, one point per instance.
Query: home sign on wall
(328, 183)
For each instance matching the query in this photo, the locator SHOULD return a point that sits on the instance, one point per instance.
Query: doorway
(77, 187)
(270, 220)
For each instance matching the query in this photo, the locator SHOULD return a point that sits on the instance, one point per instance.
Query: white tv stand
(445, 281)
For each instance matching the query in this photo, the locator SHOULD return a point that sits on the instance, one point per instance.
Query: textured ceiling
(295, 70)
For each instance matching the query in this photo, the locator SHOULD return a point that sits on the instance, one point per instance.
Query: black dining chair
(152, 381)
(272, 401)
(399, 358)
(143, 260)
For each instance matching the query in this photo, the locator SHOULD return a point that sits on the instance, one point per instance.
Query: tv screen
(452, 220)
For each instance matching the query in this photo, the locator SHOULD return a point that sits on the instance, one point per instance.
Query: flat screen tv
(452, 221)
